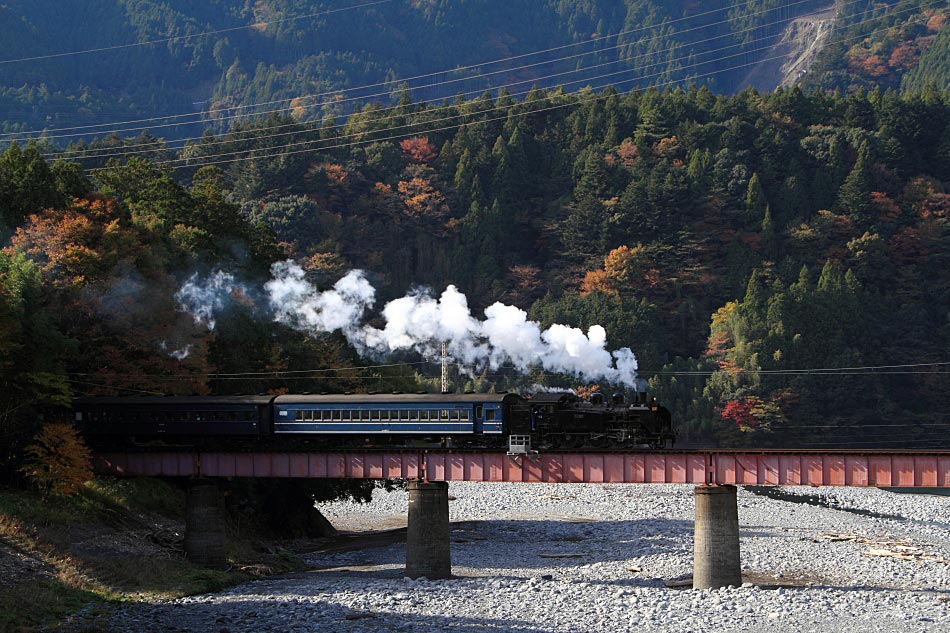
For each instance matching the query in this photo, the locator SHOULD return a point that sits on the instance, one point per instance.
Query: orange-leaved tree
(58, 461)
(624, 268)
(418, 149)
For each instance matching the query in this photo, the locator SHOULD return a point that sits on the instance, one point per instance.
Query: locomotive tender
(543, 421)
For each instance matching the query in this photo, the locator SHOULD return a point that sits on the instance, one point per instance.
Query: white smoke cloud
(421, 322)
(178, 354)
(204, 298)
(298, 304)
(536, 388)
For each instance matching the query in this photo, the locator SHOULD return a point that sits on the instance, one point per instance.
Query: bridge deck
(766, 468)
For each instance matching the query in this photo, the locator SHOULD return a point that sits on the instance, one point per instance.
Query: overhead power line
(277, 374)
(830, 371)
(107, 152)
(198, 162)
(178, 38)
(397, 81)
(93, 384)
(111, 152)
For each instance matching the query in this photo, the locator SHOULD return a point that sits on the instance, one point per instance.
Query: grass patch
(99, 500)
(143, 495)
(33, 603)
(164, 577)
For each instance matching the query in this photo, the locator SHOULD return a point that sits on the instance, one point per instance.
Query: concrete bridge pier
(427, 536)
(205, 542)
(716, 538)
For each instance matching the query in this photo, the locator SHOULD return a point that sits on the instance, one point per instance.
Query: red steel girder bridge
(910, 469)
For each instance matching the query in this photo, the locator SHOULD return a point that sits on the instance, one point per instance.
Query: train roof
(396, 398)
(170, 400)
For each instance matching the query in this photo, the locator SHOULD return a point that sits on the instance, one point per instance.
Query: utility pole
(445, 369)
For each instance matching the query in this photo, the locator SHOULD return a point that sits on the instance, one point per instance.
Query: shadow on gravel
(373, 564)
(815, 500)
(254, 616)
(527, 544)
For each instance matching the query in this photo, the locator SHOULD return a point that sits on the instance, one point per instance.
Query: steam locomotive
(544, 421)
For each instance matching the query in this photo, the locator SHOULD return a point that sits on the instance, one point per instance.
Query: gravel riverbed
(547, 557)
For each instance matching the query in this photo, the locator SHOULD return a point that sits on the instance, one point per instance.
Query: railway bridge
(715, 473)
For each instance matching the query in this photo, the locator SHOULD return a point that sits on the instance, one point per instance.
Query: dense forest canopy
(777, 261)
(741, 246)
(206, 59)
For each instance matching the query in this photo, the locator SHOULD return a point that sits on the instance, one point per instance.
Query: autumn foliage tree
(107, 287)
(418, 149)
(742, 412)
(422, 201)
(58, 461)
(624, 269)
(79, 243)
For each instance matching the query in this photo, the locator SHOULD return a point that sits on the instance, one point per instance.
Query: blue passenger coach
(398, 414)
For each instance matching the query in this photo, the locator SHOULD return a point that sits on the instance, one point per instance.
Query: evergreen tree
(854, 197)
(755, 201)
(593, 181)
(27, 185)
(464, 174)
(769, 238)
(700, 162)
(584, 231)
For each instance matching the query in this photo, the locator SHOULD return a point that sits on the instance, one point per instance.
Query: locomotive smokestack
(445, 369)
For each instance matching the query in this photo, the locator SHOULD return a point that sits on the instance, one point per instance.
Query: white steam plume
(178, 354)
(298, 304)
(203, 299)
(420, 322)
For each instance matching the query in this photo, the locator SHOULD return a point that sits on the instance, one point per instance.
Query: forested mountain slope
(741, 246)
(296, 48)
(895, 45)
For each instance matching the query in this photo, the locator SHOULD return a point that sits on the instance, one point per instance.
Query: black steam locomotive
(543, 421)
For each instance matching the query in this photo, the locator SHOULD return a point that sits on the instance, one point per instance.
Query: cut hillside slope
(789, 59)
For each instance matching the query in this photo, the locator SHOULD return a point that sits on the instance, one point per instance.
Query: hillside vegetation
(295, 49)
(727, 240)
(895, 45)
(86, 552)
